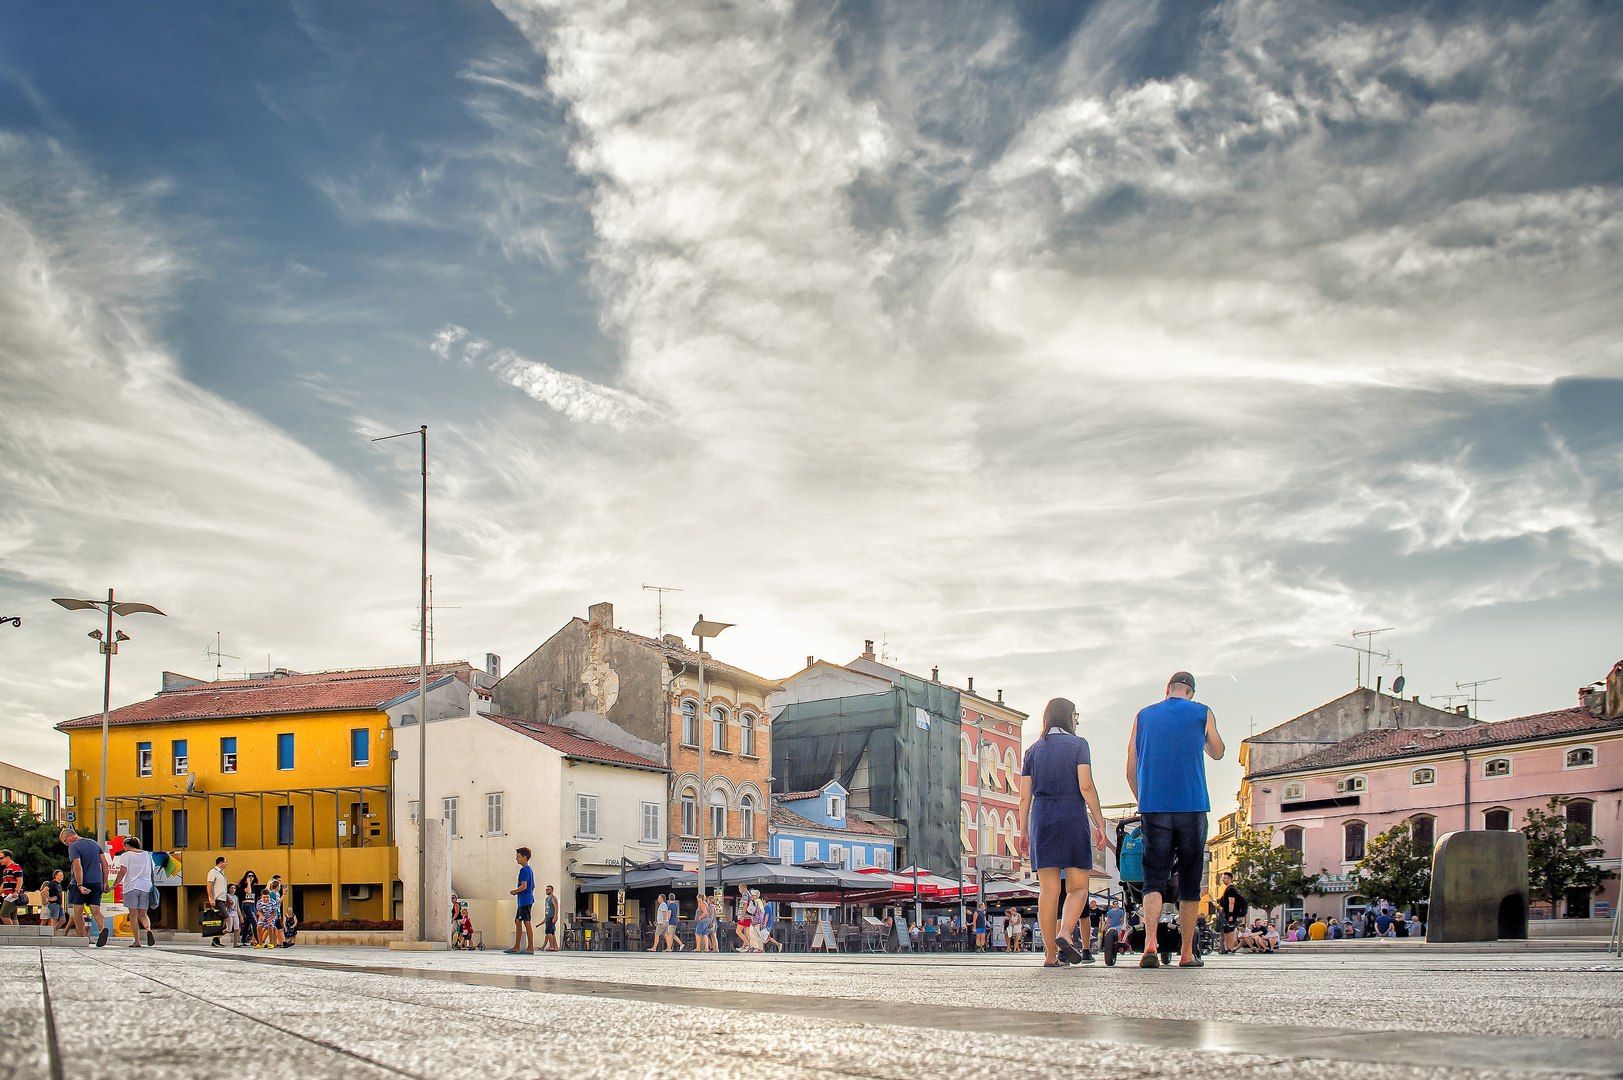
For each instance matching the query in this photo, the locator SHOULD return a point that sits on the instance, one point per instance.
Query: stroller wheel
(1166, 959)
(1110, 946)
(481, 946)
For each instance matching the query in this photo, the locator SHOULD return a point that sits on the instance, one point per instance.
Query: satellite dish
(1397, 685)
(191, 782)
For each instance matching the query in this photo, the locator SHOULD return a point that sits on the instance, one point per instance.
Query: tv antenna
(213, 653)
(660, 591)
(1449, 699)
(1472, 689)
(885, 656)
(431, 606)
(1366, 653)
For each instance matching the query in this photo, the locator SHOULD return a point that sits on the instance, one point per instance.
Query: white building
(501, 784)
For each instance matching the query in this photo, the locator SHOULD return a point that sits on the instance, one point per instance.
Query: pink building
(1330, 803)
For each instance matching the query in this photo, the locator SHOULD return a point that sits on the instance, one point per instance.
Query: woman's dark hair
(132, 843)
(1061, 714)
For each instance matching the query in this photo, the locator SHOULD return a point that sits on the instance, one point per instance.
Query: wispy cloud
(577, 398)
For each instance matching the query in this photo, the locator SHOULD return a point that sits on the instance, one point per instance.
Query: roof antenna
(1472, 687)
(660, 591)
(213, 652)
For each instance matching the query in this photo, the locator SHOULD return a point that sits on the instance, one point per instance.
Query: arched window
(1499, 766)
(690, 812)
(1423, 827)
(1496, 820)
(963, 827)
(1293, 841)
(986, 840)
(718, 728)
(1011, 834)
(1581, 812)
(718, 814)
(746, 733)
(1351, 784)
(989, 766)
(1011, 772)
(746, 817)
(1353, 834)
(690, 723)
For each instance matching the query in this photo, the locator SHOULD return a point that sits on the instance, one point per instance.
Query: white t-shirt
(137, 870)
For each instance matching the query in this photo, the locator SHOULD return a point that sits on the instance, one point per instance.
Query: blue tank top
(1171, 769)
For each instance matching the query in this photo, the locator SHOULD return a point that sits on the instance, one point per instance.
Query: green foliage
(1268, 876)
(1395, 867)
(1557, 860)
(32, 843)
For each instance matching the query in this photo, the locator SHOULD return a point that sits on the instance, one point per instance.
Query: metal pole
(106, 706)
(980, 821)
(704, 800)
(422, 723)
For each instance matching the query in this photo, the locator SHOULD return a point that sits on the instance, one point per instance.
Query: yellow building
(288, 774)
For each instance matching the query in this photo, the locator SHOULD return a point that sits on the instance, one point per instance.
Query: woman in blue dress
(1056, 800)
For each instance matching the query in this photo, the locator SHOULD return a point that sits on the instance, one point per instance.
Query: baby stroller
(1130, 860)
(466, 937)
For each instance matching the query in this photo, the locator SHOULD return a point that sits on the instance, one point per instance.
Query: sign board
(69, 816)
(620, 905)
(921, 719)
(123, 826)
(825, 934)
(343, 828)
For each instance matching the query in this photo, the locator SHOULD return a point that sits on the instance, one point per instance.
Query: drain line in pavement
(51, 1050)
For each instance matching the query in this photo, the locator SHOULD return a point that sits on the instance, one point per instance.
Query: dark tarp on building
(910, 739)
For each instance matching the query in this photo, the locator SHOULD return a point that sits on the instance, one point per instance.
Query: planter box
(375, 938)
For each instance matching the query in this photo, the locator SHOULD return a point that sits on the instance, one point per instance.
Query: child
(526, 900)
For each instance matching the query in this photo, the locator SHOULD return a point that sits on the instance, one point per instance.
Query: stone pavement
(327, 1012)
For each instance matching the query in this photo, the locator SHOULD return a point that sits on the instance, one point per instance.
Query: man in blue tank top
(1168, 777)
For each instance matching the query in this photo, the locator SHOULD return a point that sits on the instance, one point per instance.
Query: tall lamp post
(422, 708)
(109, 646)
(701, 630)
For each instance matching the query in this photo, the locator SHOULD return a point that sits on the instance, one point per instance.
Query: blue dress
(1059, 831)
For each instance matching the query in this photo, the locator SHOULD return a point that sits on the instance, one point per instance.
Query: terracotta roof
(684, 655)
(323, 691)
(799, 796)
(783, 818)
(1388, 743)
(573, 744)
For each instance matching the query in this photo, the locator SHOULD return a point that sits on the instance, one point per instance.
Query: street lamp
(701, 630)
(109, 646)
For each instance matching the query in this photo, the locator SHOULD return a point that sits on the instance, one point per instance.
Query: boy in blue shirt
(526, 900)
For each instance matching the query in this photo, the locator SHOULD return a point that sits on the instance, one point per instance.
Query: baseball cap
(1185, 678)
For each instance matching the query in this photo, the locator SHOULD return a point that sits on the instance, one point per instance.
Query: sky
(1058, 345)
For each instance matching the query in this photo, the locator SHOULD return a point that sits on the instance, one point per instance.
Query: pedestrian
(1116, 919)
(89, 865)
(672, 919)
(1383, 923)
(135, 875)
(769, 920)
(982, 925)
(290, 921)
(1013, 932)
(525, 894)
(1416, 927)
(1056, 804)
(549, 912)
(1231, 908)
(661, 914)
(233, 917)
(1168, 777)
(1316, 930)
(701, 925)
(219, 892)
(265, 908)
(55, 894)
(12, 893)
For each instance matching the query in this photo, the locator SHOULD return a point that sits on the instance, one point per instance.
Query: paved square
(182, 1011)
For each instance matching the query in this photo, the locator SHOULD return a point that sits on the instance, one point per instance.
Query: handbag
(211, 922)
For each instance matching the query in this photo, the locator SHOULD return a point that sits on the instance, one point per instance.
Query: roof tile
(784, 818)
(573, 744)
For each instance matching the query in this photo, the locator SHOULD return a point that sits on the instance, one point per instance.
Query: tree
(1268, 876)
(1558, 855)
(1395, 867)
(33, 843)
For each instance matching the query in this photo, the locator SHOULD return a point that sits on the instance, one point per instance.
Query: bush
(350, 924)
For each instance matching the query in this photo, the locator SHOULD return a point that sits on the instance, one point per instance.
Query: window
(228, 754)
(690, 812)
(1581, 757)
(1496, 820)
(746, 734)
(1293, 841)
(448, 815)
(493, 813)
(177, 753)
(228, 826)
(836, 855)
(859, 857)
(881, 858)
(1424, 831)
(1292, 793)
(284, 751)
(284, 824)
(178, 820)
(1353, 834)
(786, 852)
(143, 759)
(586, 816)
(1582, 814)
(836, 808)
(360, 746)
(1422, 777)
(718, 728)
(650, 823)
(814, 853)
(718, 814)
(746, 818)
(1352, 783)
(690, 723)
(1499, 766)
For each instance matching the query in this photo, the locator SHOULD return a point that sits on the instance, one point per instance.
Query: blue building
(814, 826)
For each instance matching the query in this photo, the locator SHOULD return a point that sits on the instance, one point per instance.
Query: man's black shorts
(86, 895)
(552, 926)
(523, 913)
(1174, 842)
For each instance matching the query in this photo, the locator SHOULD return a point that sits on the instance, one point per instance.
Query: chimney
(1462, 710)
(675, 639)
(972, 684)
(1000, 697)
(935, 674)
(810, 660)
(601, 615)
(867, 649)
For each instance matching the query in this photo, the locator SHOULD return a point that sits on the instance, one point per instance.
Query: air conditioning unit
(358, 892)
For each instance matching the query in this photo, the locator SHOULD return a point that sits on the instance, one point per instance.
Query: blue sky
(1060, 345)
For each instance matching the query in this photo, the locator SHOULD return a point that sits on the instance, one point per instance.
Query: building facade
(819, 826)
(40, 795)
(1329, 804)
(989, 807)
(288, 774)
(641, 694)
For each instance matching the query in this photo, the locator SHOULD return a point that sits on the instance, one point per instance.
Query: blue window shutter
(284, 751)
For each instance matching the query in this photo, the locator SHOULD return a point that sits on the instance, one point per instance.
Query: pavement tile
(25, 1054)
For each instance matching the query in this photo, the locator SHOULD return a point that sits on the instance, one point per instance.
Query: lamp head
(94, 634)
(119, 635)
